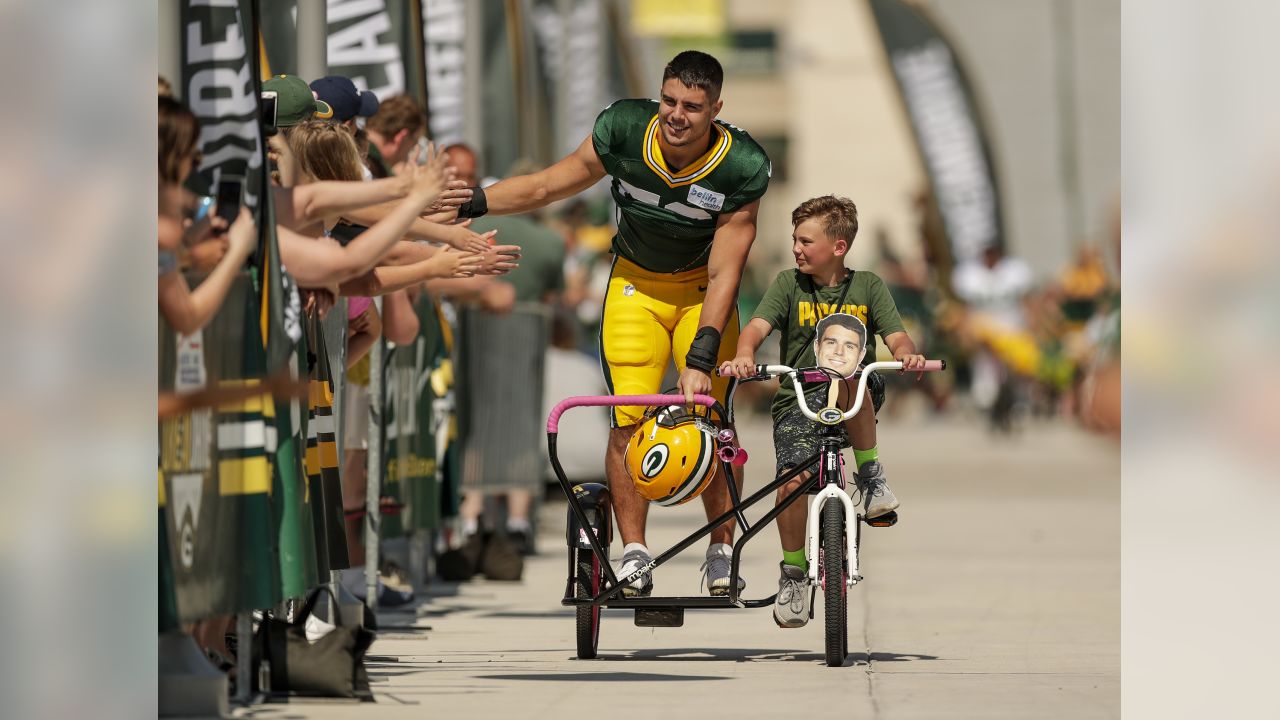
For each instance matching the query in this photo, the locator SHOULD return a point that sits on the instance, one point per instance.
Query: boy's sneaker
(716, 573)
(632, 562)
(877, 498)
(791, 608)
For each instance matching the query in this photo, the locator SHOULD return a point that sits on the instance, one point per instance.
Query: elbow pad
(703, 350)
(475, 207)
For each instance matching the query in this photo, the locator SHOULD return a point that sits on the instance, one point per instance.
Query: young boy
(823, 230)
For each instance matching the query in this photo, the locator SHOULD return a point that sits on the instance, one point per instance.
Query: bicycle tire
(588, 579)
(834, 593)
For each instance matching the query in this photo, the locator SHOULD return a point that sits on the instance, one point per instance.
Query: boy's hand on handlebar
(741, 367)
(911, 361)
(693, 382)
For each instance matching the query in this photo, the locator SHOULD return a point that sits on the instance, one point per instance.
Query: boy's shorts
(795, 437)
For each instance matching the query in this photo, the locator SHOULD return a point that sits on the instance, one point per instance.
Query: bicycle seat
(889, 519)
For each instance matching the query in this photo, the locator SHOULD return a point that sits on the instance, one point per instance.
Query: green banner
(215, 468)
(413, 376)
(221, 79)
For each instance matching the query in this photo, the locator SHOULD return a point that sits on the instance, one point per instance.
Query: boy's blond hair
(840, 216)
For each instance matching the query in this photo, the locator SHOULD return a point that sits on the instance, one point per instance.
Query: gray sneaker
(715, 576)
(877, 498)
(631, 562)
(791, 608)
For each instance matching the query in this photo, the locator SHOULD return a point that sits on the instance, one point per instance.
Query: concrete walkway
(996, 596)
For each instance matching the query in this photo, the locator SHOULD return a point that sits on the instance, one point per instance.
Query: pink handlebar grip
(934, 365)
(553, 420)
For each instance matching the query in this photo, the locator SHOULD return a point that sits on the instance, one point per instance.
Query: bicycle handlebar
(817, 375)
(553, 420)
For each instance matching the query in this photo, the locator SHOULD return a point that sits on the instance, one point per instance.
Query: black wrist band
(703, 350)
(475, 207)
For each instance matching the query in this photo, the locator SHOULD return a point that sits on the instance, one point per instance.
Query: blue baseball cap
(347, 102)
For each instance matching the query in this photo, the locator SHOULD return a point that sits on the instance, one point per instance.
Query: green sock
(862, 457)
(795, 558)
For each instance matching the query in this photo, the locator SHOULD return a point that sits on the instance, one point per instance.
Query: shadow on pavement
(601, 677)
(759, 655)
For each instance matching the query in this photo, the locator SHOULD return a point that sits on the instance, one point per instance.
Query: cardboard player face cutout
(840, 343)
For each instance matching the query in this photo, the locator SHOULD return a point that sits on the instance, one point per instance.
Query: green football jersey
(667, 219)
(793, 305)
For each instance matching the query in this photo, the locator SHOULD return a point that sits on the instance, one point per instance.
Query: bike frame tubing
(553, 431)
(614, 585)
(831, 487)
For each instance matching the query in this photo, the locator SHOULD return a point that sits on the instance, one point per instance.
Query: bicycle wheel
(835, 596)
(587, 583)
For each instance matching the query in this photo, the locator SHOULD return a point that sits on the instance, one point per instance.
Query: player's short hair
(396, 113)
(839, 216)
(696, 69)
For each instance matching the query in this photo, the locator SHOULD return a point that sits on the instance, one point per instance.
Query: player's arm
(576, 172)
(735, 232)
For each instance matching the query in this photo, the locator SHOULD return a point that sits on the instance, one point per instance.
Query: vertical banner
(502, 96)
(219, 87)
(411, 460)
(214, 463)
(258, 469)
(571, 65)
(444, 27)
(279, 30)
(215, 471)
(944, 117)
(378, 45)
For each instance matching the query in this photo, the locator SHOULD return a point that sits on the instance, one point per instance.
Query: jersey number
(649, 198)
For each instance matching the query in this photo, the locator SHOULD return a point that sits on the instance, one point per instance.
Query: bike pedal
(660, 617)
(889, 519)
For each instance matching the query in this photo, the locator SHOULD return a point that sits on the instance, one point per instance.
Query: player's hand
(693, 382)
(443, 217)
(431, 178)
(456, 193)
(740, 367)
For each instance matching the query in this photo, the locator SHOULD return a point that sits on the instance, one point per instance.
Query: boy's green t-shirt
(794, 304)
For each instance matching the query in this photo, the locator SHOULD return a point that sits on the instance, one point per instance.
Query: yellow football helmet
(672, 456)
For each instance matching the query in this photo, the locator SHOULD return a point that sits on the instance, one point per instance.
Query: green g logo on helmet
(654, 460)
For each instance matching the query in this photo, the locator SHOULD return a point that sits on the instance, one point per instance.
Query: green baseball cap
(295, 102)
